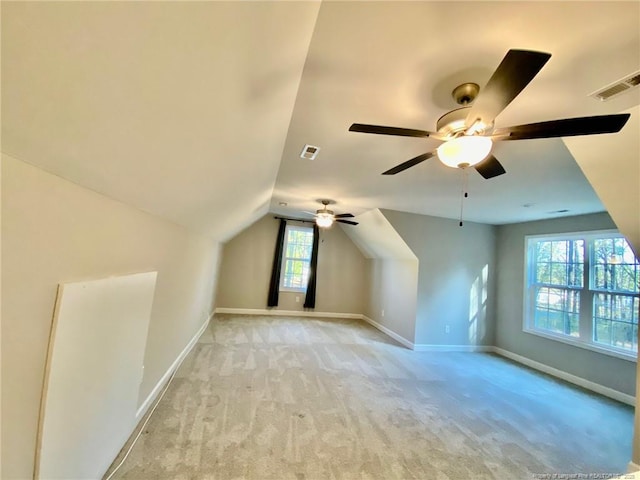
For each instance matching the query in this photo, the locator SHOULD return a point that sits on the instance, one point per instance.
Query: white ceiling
(197, 112)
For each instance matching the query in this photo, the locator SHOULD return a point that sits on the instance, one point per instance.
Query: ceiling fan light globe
(465, 151)
(324, 220)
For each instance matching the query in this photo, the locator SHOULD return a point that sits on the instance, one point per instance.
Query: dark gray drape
(274, 285)
(310, 297)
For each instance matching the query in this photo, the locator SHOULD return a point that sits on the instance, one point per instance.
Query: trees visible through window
(615, 282)
(558, 280)
(584, 288)
(296, 258)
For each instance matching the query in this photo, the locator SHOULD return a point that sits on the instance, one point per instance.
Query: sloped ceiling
(376, 237)
(612, 165)
(198, 111)
(179, 109)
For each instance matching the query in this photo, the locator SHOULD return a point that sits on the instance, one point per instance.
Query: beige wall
(246, 269)
(455, 278)
(392, 294)
(392, 274)
(54, 231)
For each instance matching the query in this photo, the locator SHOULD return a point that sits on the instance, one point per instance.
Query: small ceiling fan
(326, 217)
(468, 132)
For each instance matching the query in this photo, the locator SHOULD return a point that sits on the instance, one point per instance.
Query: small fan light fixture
(464, 151)
(324, 219)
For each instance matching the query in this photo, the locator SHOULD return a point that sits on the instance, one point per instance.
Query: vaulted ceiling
(197, 112)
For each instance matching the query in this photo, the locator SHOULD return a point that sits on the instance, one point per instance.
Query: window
(583, 289)
(296, 257)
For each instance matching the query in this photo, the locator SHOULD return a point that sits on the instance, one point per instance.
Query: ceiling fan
(326, 217)
(468, 132)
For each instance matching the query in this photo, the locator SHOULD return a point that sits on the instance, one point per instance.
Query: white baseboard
(581, 382)
(424, 347)
(154, 393)
(286, 313)
(633, 467)
(388, 332)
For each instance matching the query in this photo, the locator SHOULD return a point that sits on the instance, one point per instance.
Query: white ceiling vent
(617, 88)
(310, 152)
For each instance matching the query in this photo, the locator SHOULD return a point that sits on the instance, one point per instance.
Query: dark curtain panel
(310, 297)
(274, 285)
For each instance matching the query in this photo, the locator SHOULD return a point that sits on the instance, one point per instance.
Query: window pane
(559, 262)
(559, 274)
(543, 250)
(616, 320)
(559, 251)
(615, 268)
(576, 274)
(543, 272)
(297, 256)
(557, 310)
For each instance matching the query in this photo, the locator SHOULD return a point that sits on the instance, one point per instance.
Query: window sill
(630, 357)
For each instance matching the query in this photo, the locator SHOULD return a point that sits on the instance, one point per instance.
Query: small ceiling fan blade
(567, 127)
(409, 163)
(381, 130)
(490, 168)
(514, 73)
(349, 222)
(343, 215)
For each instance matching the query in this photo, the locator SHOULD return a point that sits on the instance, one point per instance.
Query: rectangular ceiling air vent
(310, 152)
(634, 81)
(617, 87)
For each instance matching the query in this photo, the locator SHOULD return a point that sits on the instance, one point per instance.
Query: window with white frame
(296, 258)
(583, 289)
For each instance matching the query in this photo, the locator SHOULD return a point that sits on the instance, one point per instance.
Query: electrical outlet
(382, 312)
(297, 299)
(447, 329)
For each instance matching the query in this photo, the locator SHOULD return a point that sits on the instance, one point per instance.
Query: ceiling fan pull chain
(466, 182)
(465, 194)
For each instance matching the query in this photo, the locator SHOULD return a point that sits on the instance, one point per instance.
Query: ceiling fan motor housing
(325, 211)
(453, 122)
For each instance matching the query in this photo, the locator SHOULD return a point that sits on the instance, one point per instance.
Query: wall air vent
(310, 152)
(617, 88)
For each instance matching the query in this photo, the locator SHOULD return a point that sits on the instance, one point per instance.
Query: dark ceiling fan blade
(343, 215)
(380, 130)
(409, 163)
(490, 167)
(514, 73)
(347, 222)
(567, 127)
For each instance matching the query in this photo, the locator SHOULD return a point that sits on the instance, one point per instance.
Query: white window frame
(282, 287)
(586, 321)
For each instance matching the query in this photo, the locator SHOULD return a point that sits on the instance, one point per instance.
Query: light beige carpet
(300, 398)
